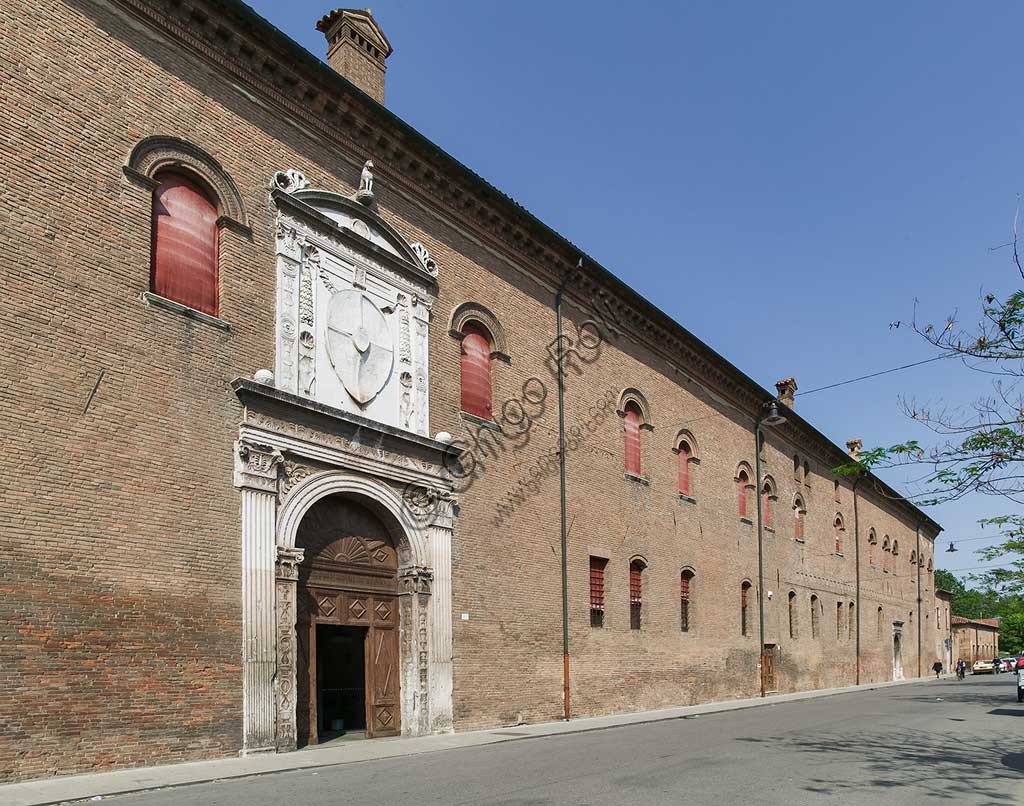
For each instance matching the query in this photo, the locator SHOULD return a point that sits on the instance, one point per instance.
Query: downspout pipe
(760, 546)
(856, 560)
(560, 372)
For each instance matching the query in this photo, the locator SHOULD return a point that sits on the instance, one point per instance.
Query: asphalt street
(932, 742)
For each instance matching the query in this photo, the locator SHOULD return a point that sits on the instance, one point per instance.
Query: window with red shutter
(184, 243)
(631, 427)
(742, 482)
(685, 455)
(636, 571)
(476, 371)
(685, 581)
(744, 622)
(597, 566)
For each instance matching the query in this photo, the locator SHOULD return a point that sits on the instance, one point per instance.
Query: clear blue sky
(782, 178)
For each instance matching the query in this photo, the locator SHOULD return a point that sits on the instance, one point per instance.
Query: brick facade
(120, 590)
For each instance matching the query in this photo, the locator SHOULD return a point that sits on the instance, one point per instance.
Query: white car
(982, 667)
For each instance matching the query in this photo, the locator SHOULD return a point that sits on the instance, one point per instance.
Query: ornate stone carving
(289, 558)
(359, 344)
(294, 473)
(406, 406)
(414, 579)
(291, 180)
(428, 262)
(256, 466)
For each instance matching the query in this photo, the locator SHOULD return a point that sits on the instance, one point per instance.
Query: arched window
(184, 243)
(797, 475)
(880, 620)
(815, 617)
(744, 487)
(597, 566)
(807, 474)
(839, 528)
(799, 513)
(930, 568)
(476, 370)
(792, 614)
(631, 428)
(895, 548)
(685, 597)
(913, 557)
(835, 491)
(886, 550)
(686, 453)
(744, 620)
(636, 581)
(767, 497)
(839, 621)
(851, 622)
(872, 542)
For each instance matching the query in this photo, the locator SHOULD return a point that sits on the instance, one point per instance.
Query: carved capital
(256, 466)
(289, 558)
(414, 579)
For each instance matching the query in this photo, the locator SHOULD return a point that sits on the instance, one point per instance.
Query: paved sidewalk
(83, 787)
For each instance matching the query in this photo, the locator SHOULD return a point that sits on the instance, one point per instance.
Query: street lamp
(770, 416)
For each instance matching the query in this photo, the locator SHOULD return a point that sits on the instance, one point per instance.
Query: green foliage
(1011, 634)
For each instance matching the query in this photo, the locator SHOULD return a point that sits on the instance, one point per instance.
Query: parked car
(983, 667)
(1008, 664)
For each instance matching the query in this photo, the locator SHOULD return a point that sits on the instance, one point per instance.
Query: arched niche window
(886, 551)
(686, 577)
(881, 620)
(839, 621)
(744, 489)
(636, 584)
(799, 515)
(768, 499)
(930, 567)
(635, 414)
(184, 265)
(686, 458)
(797, 470)
(815, 617)
(839, 529)
(193, 198)
(475, 354)
(745, 587)
(807, 474)
(872, 542)
(851, 622)
(913, 557)
(895, 548)
(792, 615)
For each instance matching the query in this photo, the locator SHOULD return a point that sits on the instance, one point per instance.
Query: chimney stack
(357, 48)
(854, 447)
(787, 389)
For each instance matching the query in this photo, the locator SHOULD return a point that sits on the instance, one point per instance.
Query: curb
(77, 788)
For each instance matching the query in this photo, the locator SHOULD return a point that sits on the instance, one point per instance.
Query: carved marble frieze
(353, 308)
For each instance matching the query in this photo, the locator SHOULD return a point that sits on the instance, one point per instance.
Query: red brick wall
(120, 600)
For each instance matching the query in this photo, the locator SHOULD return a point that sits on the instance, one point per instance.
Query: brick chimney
(854, 447)
(787, 389)
(357, 48)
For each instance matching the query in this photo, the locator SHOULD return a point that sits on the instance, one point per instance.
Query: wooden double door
(348, 650)
(347, 623)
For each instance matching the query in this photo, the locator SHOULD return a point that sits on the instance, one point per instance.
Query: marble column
(287, 574)
(256, 471)
(440, 693)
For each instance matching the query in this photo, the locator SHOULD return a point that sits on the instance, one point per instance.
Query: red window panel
(184, 243)
(684, 468)
(597, 583)
(741, 484)
(476, 371)
(684, 600)
(632, 437)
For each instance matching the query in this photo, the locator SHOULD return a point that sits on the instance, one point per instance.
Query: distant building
(975, 639)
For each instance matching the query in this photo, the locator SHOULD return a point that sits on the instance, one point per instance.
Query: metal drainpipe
(561, 474)
(917, 569)
(856, 555)
(760, 545)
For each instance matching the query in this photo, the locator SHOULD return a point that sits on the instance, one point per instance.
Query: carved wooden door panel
(771, 682)
(383, 709)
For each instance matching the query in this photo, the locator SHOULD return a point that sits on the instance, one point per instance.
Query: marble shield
(359, 344)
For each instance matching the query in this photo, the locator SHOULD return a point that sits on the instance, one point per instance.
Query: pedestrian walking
(937, 668)
(961, 669)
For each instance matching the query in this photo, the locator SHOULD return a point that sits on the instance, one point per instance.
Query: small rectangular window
(635, 594)
(685, 580)
(597, 566)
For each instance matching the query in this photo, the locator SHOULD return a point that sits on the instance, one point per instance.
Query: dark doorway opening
(340, 680)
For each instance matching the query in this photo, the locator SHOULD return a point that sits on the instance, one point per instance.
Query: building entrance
(341, 680)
